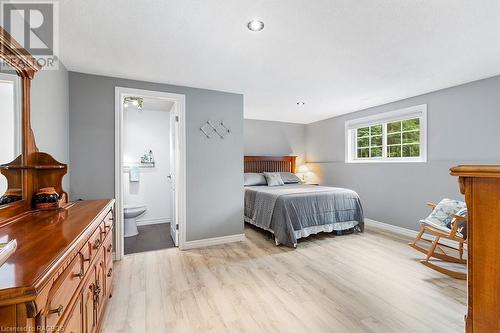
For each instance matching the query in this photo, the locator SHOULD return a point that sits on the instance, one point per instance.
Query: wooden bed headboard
(269, 163)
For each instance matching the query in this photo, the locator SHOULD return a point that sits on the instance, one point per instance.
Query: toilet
(131, 213)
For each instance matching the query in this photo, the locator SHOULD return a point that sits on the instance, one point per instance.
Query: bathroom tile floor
(151, 237)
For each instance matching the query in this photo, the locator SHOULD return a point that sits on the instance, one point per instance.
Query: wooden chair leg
(461, 250)
(440, 249)
(420, 233)
(433, 247)
(443, 270)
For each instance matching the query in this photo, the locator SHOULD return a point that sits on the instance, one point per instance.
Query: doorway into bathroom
(149, 170)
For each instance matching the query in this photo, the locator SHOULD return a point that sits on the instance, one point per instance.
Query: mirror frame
(37, 169)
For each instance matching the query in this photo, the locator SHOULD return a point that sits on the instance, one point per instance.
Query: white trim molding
(418, 111)
(408, 232)
(180, 179)
(212, 241)
(156, 220)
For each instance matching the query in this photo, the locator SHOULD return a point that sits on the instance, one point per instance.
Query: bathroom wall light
(135, 101)
(255, 25)
(300, 103)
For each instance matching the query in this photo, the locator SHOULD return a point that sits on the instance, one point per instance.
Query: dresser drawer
(109, 277)
(74, 322)
(63, 289)
(108, 221)
(108, 247)
(91, 247)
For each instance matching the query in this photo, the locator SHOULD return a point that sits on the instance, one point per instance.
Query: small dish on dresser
(6, 249)
(46, 198)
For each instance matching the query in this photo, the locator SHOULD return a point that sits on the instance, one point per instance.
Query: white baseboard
(408, 232)
(157, 220)
(212, 241)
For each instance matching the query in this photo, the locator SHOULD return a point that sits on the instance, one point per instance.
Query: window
(397, 136)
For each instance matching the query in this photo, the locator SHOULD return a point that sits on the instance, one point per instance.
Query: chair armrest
(455, 222)
(458, 218)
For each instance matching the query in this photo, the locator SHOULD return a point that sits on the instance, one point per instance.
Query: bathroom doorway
(149, 170)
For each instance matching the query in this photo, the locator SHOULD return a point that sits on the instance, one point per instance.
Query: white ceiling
(338, 56)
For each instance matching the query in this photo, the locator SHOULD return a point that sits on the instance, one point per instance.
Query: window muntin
(369, 141)
(397, 136)
(403, 138)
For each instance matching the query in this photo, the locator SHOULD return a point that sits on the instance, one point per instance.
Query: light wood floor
(369, 282)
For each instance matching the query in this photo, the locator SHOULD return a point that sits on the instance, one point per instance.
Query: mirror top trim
(16, 56)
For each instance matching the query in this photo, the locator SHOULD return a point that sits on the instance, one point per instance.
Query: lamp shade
(303, 169)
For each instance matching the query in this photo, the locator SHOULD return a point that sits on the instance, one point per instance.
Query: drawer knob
(110, 272)
(59, 310)
(110, 247)
(97, 291)
(97, 243)
(79, 275)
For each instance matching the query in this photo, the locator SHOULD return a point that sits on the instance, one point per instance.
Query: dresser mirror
(10, 127)
(24, 170)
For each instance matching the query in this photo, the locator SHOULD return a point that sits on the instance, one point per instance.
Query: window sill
(386, 161)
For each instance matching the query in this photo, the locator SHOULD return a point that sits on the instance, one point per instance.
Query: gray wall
(462, 129)
(274, 138)
(214, 166)
(50, 114)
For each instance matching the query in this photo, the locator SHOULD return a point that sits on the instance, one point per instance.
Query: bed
(295, 210)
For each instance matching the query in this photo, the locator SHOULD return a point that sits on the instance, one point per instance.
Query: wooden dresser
(60, 277)
(481, 186)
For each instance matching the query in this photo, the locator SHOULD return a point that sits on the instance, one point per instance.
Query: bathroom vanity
(60, 276)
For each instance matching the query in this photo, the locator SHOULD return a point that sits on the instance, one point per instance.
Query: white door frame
(180, 178)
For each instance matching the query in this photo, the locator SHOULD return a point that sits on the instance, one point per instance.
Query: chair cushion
(442, 215)
(435, 226)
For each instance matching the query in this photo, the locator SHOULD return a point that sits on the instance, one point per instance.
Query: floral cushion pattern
(442, 215)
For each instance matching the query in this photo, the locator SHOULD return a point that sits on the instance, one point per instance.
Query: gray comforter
(295, 210)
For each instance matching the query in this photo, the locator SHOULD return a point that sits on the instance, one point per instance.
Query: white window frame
(418, 111)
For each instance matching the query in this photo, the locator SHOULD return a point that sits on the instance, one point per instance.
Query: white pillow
(252, 179)
(273, 179)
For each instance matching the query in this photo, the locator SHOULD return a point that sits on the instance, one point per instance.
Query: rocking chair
(448, 220)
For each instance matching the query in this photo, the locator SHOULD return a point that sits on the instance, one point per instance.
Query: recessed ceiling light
(255, 25)
(300, 103)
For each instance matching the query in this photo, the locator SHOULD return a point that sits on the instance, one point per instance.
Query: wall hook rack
(219, 128)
